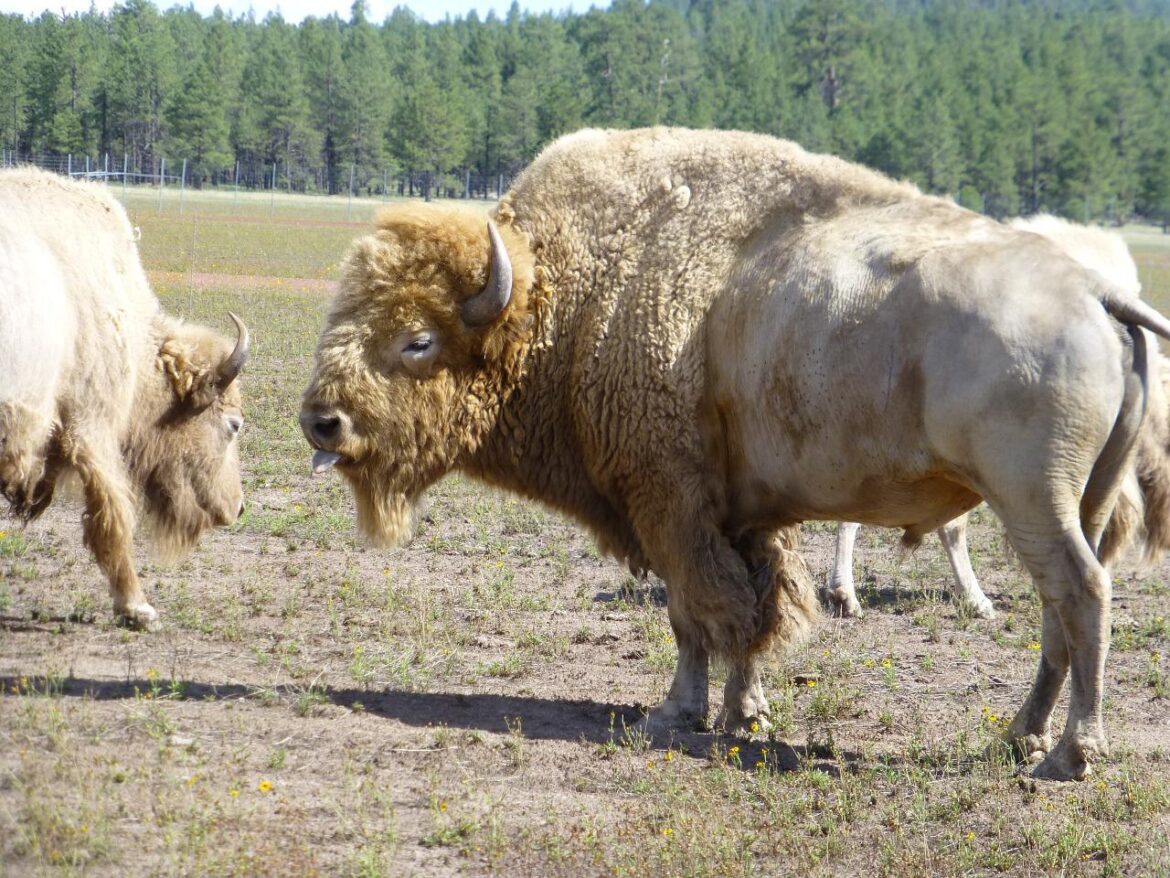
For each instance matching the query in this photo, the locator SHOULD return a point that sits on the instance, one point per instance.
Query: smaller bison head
(183, 451)
(425, 337)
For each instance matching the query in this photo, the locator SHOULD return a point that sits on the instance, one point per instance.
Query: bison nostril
(326, 428)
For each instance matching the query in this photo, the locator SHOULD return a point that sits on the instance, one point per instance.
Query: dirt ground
(461, 706)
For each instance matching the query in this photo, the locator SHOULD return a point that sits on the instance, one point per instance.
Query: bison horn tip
(485, 306)
(230, 368)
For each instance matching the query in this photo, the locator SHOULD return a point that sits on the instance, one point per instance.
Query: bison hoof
(141, 617)
(1028, 747)
(983, 609)
(844, 603)
(1066, 761)
(735, 723)
(669, 717)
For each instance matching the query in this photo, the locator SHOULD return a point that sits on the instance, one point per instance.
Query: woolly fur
(107, 386)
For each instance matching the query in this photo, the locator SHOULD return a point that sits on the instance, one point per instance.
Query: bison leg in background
(108, 524)
(841, 593)
(965, 587)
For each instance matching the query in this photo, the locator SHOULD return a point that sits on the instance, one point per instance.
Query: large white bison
(99, 382)
(1147, 494)
(693, 341)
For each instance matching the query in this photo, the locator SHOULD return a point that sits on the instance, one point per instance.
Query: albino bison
(693, 341)
(99, 382)
(1149, 494)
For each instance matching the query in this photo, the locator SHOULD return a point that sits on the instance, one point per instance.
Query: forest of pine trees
(1010, 106)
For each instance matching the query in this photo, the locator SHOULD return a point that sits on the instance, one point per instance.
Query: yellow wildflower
(755, 727)
(811, 684)
(667, 831)
(668, 756)
(733, 751)
(443, 806)
(265, 786)
(1033, 644)
(234, 793)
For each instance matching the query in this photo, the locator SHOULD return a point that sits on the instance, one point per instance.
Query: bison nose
(322, 429)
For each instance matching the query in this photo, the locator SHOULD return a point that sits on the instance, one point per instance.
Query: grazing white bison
(693, 341)
(1148, 494)
(100, 383)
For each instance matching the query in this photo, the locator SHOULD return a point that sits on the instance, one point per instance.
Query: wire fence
(260, 176)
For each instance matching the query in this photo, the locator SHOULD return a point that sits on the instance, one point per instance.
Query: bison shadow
(540, 719)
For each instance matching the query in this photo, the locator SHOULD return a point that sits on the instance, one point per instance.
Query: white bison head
(183, 450)
(426, 335)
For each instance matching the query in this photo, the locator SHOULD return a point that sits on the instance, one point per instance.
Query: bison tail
(1134, 312)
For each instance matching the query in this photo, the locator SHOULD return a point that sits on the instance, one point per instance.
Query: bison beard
(384, 516)
(713, 336)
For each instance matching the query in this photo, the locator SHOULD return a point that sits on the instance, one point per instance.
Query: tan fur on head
(414, 273)
(444, 252)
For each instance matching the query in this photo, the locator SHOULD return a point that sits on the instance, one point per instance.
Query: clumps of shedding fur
(24, 437)
(786, 594)
(1152, 468)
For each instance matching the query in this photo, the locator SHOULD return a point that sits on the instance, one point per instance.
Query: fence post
(349, 205)
(236, 184)
(69, 165)
(272, 202)
(182, 187)
(162, 175)
(125, 164)
(87, 166)
(385, 184)
(467, 183)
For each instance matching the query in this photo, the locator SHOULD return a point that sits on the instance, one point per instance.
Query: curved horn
(230, 368)
(485, 306)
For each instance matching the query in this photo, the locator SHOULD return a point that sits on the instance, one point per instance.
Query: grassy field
(312, 706)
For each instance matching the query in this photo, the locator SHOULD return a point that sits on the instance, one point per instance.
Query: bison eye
(234, 424)
(418, 352)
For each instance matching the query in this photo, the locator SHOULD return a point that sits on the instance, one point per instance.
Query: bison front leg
(686, 705)
(108, 525)
(785, 608)
(712, 610)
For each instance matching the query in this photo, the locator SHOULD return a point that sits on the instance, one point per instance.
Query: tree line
(1010, 106)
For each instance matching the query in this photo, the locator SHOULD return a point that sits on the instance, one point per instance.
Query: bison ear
(195, 384)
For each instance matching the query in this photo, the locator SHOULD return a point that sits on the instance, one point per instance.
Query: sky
(296, 10)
